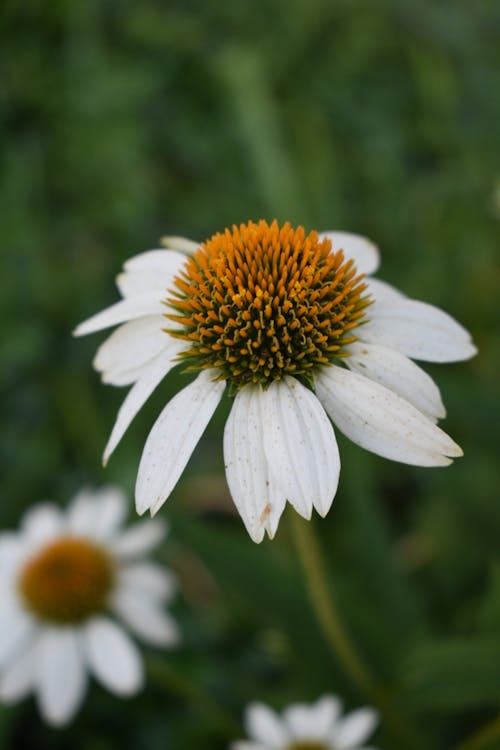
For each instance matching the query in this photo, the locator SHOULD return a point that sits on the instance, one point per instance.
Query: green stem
(324, 606)
(174, 683)
(483, 738)
(337, 637)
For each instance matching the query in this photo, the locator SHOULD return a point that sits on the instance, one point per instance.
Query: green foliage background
(123, 121)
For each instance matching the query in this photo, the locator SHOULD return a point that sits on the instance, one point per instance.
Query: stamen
(261, 301)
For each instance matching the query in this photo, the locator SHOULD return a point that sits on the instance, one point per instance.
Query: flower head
(296, 328)
(319, 726)
(65, 578)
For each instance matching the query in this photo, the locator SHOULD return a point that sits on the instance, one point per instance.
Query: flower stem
(337, 636)
(483, 738)
(175, 684)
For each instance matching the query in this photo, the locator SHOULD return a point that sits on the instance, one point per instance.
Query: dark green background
(123, 121)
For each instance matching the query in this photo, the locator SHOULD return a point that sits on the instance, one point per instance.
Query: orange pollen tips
(67, 581)
(261, 301)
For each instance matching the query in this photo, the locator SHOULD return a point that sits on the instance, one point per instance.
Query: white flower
(65, 578)
(289, 323)
(307, 727)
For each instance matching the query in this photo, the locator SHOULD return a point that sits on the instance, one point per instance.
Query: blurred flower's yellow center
(261, 301)
(67, 581)
(308, 745)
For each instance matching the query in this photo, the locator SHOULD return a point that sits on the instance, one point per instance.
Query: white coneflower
(292, 326)
(319, 726)
(65, 580)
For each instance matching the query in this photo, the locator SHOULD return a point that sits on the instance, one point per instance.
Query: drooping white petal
(180, 243)
(380, 421)
(352, 731)
(112, 656)
(97, 513)
(149, 579)
(300, 446)
(258, 499)
(60, 676)
(312, 722)
(419, 330)
(121, 312)
(145, 617)
(150, 378)
(173, 439)
(265, 726)
(248, 745)
(42, 523)
(18, 678)
(129, 348)
(160, 260)
(400, 374)
(139, 539)
(363, 252)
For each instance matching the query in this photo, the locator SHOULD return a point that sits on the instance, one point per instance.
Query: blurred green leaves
(125, 121)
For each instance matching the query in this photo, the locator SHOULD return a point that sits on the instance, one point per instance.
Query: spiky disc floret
(261, 301)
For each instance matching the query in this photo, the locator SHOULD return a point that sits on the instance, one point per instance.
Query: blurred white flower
(319, 726)
(288, 322)
(65, 580)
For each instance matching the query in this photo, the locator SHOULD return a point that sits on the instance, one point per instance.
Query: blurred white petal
(112, 656)
(139, 539)
(60, 677)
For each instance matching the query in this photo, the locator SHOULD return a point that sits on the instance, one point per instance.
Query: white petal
(121, 312)
(355, 728)
(419, 330)
(159, 260)
(112, 657)
(300, 446)
(18, 678)
(257, 497)
(312, 722)
(148, 578)
(364, 253)
(139, 539)
(153, 274)
(380, 421)
(173, 439)
(60, 677)
(42, 523)
(248, 745)
(400, 374)
(12, 551)
(98, 513)
(180, 243)
(382, 291)
(16, 630)
(130, 347)
(151, 377)
(264, 725)
(145, 617)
